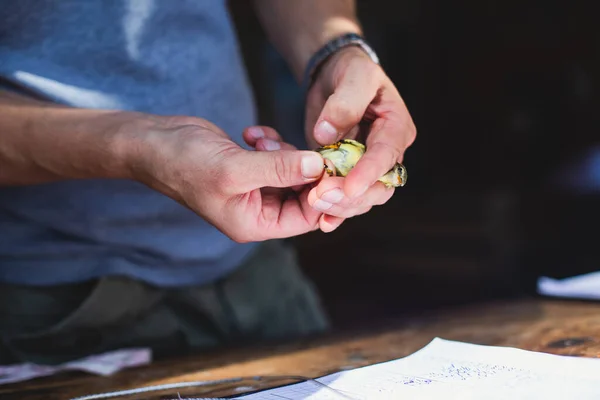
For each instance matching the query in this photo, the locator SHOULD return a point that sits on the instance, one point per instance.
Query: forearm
(43, 142)
(298, 28)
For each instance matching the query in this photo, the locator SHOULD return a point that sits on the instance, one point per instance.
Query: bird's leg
(329, 168)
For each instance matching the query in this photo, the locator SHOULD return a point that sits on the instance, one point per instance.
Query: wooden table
(552, 326)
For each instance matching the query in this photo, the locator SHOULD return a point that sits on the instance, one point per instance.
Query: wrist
(130, 142)
(310, 42)
(348, 42)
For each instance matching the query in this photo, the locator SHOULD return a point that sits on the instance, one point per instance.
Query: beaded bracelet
(330, 48)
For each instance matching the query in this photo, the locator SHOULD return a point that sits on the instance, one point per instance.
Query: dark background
(504, 95)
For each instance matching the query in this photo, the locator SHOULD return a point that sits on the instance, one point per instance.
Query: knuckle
(365, 210)
(223, 179)
(359, 202)
(223, 172)
(388, 153)
(411, 131)
(281, 170)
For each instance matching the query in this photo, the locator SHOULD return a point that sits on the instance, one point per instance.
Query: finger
(272, 145)
(329, 223)
(291, 218)
(386, 144)
(331, 187)
(263, 215)
(345, 212)
(346, 107)
(250, 170)
(329, 192)
(253, 133)
(314, 105)
(391, 133)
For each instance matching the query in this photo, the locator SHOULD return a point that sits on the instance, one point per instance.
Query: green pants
(267, 298)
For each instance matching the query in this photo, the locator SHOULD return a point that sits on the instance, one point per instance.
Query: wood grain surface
(559, 327)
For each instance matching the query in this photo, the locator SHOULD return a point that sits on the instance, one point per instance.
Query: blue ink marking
(417, 382)
(473, 371)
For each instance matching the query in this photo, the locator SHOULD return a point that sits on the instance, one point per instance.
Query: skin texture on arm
(43, 142)
(351, 97)
(299, 28)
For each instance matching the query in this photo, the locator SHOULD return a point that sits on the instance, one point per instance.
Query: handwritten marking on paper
(466, 371)
(455, 370)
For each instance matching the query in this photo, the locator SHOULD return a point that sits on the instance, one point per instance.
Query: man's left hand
(352, 97)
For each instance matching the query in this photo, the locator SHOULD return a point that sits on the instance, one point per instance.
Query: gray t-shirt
(157, 56)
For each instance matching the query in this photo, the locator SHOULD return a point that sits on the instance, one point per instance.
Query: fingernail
(271, 145)
(326, 132)
(256, 132)
(333, 196)
(321, 205)
(312, 166)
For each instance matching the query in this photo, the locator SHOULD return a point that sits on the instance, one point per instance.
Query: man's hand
(350, 91)
(352, 97)
(248, 195)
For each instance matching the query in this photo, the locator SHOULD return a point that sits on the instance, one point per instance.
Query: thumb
(345, 108)
(281, 169)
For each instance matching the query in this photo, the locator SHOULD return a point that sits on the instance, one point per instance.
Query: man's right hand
(245, 194)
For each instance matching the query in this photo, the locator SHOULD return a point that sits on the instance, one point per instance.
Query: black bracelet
(331, 47)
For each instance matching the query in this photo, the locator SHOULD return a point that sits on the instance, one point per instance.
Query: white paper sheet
(586, 286)
(454, 370)
(101, 364)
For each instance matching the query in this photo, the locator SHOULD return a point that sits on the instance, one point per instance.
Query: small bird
(345, 154)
